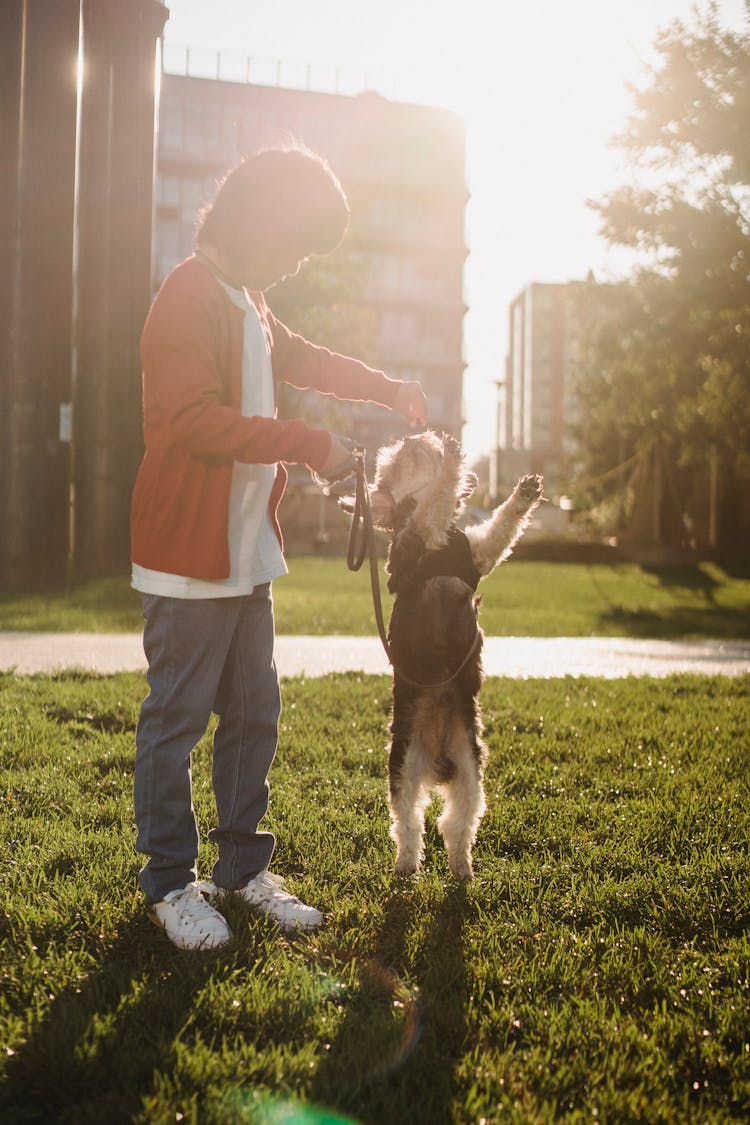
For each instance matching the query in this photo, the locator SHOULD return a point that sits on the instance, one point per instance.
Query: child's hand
(340, 459)
(411, 401)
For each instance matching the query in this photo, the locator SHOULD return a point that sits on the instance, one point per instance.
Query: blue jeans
(213, 654)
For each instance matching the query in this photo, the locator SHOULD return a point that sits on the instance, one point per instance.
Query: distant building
(403, 169)
(536, 405)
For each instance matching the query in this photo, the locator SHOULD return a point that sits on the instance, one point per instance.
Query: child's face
(288, 267)
(268, 262)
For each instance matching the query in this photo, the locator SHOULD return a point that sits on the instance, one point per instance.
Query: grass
(598, 967)
(320, 596)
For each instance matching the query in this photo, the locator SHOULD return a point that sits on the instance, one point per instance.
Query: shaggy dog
(421, 487)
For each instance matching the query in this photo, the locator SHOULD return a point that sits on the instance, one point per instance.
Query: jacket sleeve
(309, 366)
(184, 396)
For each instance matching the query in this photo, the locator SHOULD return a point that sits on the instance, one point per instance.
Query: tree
(324, 303)
(666, 355)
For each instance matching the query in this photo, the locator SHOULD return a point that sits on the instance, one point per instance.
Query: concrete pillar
(119, 105)
(38, 79)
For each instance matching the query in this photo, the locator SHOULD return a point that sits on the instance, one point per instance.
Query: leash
(361, 544)
(362, 530)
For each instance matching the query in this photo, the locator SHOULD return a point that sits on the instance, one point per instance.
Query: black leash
(362, 530)
(361, 543)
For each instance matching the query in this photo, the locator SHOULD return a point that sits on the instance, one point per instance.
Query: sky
(543, 88)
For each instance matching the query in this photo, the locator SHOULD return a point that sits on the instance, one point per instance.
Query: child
(206, 543)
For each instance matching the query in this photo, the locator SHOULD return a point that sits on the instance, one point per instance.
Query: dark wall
(76, 187)
(38, 79)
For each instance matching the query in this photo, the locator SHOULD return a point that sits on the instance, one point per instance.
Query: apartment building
(536, 404)
(402, 167)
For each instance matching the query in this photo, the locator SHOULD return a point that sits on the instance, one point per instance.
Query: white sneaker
(267, 893)
(189, 919)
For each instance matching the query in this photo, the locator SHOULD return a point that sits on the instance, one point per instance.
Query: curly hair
(288, 193)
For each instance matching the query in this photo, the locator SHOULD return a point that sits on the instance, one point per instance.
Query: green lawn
(321, 596)
(597, 969)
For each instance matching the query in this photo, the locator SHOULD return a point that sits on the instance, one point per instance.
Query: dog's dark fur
(420, 488)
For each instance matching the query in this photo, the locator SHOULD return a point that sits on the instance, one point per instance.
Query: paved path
(315, 656)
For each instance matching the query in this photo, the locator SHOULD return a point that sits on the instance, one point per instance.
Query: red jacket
(191, 350)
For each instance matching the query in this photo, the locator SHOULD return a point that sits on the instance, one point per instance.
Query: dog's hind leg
(408, 799)
(464, 804)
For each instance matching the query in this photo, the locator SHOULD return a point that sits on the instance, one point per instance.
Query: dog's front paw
(530, 488)
(451, 448)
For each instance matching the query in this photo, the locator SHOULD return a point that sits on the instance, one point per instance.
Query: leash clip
(353, 467)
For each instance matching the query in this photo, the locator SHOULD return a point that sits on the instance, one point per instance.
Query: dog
(420, 489)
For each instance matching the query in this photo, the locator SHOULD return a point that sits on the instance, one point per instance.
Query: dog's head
(421, 481)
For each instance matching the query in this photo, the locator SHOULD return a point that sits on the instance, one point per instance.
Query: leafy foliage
(666, 355)
(323, 302)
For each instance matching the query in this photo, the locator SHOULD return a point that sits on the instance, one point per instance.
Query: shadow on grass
(93, 1057)
(690, 579)
(674, 624)
(96, 1053)
(395, 1056)
(690, 607)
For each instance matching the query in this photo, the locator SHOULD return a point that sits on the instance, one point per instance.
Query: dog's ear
(454, 454)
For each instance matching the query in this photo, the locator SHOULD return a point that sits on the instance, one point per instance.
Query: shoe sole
(293, 927)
